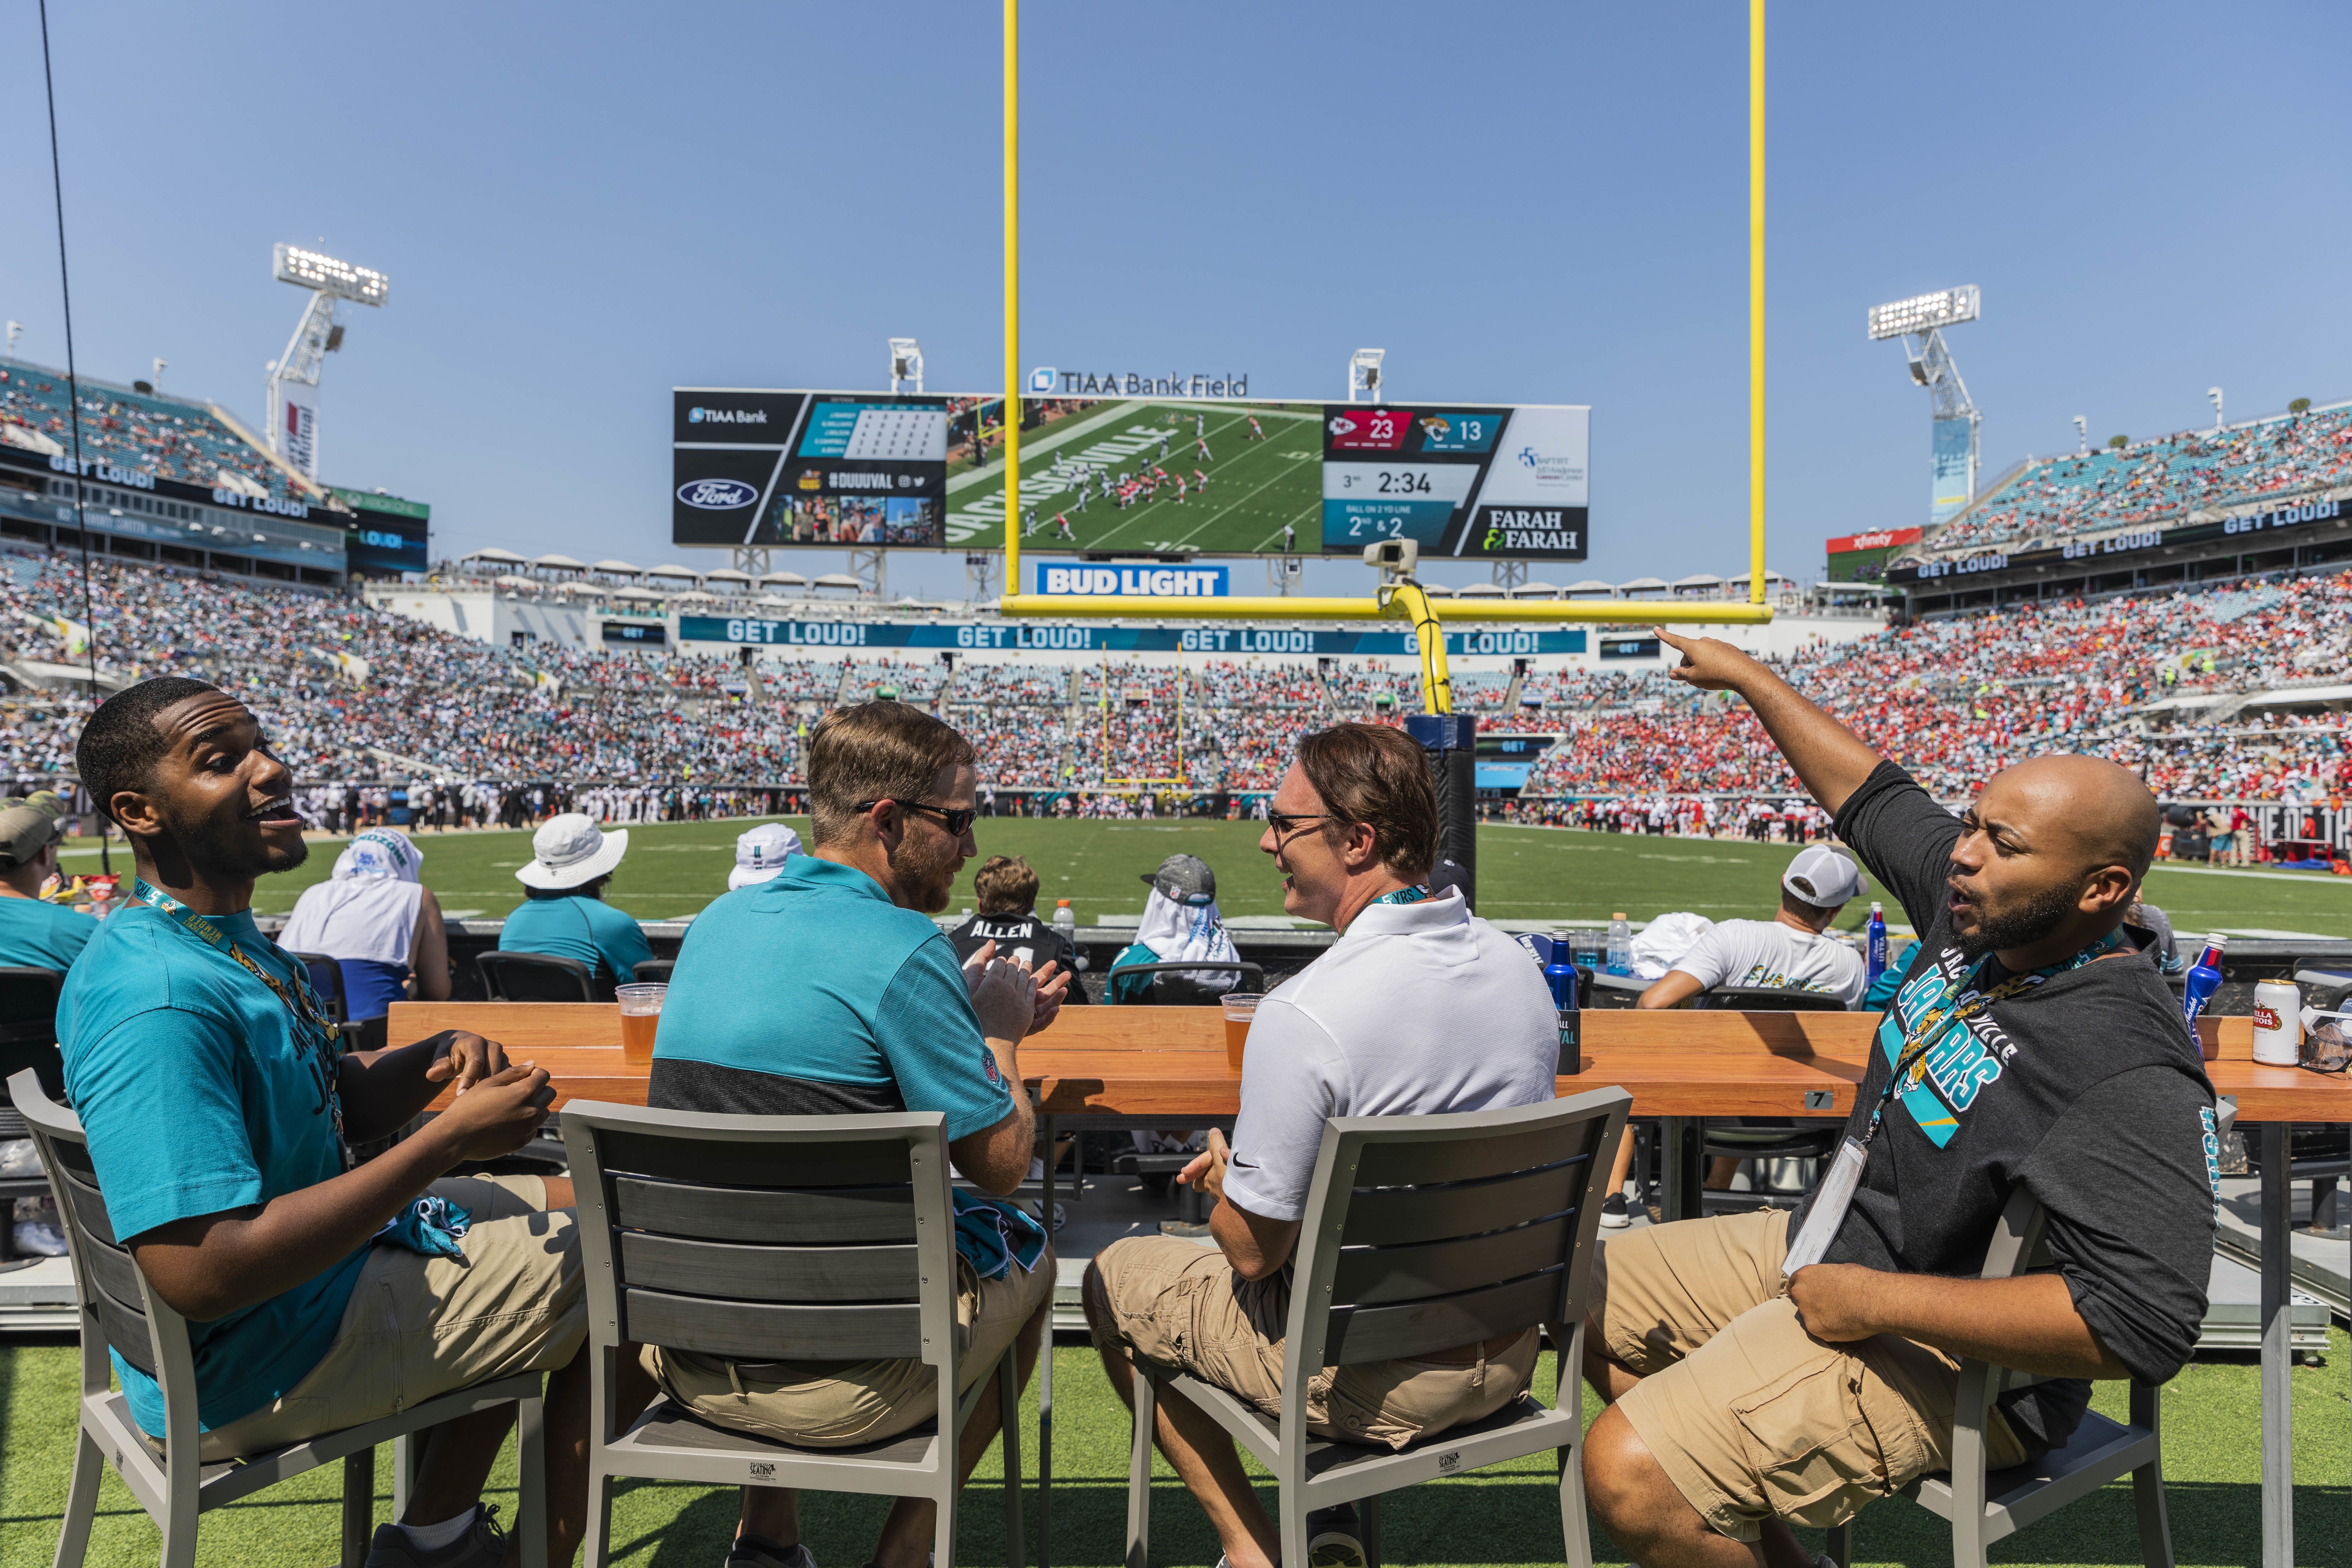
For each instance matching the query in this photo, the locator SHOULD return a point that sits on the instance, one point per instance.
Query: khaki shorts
(842, 1404)
(1179, 1305)
(416, 1327)
(1749, 1414)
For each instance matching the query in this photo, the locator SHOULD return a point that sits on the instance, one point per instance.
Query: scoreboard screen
(807, 468)
(1474, 482)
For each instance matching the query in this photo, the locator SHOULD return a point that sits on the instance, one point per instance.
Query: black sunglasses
(956, 819)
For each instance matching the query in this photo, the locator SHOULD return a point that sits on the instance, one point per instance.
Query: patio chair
(120, 1311)
(28, 1038)
(1169, 988)
(539, 977)
(761, 1238)
(1762, 1139)
(1422, 1233)
(1988, 1506)
(653, 970)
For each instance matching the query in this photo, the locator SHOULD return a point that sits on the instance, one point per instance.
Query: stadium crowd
(163, 435)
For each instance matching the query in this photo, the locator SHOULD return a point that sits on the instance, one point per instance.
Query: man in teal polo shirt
(565, 914)
(34, 933)
(861, 1008)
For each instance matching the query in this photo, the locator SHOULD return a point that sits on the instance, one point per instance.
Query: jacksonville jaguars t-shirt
(2086, 1088)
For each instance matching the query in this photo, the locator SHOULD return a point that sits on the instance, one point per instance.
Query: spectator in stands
(217, 1104)
(1180, 922)
(376, 919)
(1374, 1026)
(863, 1009)
(564, 913)
(1004, 891)
(34, 933)
(760, 852)
(2033, 1028)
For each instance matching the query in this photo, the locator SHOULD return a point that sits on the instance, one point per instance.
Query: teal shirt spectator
(35, 934)
(574, 924)
(810, 994)
(1129, 988)
(200, 1096)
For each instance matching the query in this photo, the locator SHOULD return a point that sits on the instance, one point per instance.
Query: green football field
(1524, 874)
(1255, 486)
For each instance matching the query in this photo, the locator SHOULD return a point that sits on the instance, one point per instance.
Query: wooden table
(1165, 1067)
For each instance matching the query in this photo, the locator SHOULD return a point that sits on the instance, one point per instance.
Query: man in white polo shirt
(1379, 1026)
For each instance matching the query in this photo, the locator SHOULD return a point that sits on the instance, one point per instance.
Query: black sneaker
(759, 1553)
(483, 1546)
(1334, 1538)
(1614, 1214)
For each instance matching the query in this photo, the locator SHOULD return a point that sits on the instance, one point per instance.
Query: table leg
(1045, 1375)
(1682, 1189)
(2278, 1357)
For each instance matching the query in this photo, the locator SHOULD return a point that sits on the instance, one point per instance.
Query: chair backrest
(117, 1308)
(28, 1004)
(1767, 999)
(327, 979)
(1424, 1233)
(757, 1238)
(1173, 986)
(653, 970)
(536, 977)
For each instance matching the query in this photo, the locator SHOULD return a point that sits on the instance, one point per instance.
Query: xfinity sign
(1079, 579)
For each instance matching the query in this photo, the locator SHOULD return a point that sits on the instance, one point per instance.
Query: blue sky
(582, 207)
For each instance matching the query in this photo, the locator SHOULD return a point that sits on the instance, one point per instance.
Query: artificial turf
(1524, 874)
(1506, 1515)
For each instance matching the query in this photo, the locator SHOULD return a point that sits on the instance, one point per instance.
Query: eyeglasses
(1285, 824)
(956, 819)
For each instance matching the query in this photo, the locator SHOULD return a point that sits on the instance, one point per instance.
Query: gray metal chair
(760, 1238)
(1422, 1233)
(1171, 987)
(118, 1311)
(1988, 1506)
(539, 977)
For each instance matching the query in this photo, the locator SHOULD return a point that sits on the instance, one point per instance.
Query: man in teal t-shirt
(34, 933)
(217, 1099)
(565, 915)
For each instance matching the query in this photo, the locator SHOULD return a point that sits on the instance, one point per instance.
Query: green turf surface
(1255, 486)
(1507, 1515)
(1524, 874)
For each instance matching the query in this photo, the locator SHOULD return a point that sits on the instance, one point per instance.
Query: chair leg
(407, 1455)
(1139, 1472)
(81, 1502)
(359, 1506)
(530, 1480)
(2147, 1484)
(1008, 1408)
(1291, 1517)
(179, 1527)
(943, 1535)
(1368, 1510)
(1576, 1532)
(596, 1548)
(1840, 1544)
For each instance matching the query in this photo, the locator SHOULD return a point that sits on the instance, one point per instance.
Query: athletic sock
(434, 1537)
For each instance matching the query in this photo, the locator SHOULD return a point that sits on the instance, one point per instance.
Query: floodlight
(906, 363)
(1923, 312)
(310, 270)
(2215, 393)
(2082, 436)
(1364, 373)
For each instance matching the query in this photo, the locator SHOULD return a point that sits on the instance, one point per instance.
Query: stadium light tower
(906, 363)
(2082, 436)
(1920, 321)
(2215, 393)
(293, 401)
(15, 330)
(1364, 374)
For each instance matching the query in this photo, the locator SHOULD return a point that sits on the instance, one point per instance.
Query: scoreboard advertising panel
(1131, 475)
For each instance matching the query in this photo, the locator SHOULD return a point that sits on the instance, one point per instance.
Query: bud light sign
(1081, 579)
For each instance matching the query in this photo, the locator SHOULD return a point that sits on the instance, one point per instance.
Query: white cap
(569, 850)
(759, 854)
(1821, 876)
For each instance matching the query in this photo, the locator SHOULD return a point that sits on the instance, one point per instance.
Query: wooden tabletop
(1152, 1062)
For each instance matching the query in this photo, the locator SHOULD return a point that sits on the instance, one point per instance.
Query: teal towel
(994, 1236)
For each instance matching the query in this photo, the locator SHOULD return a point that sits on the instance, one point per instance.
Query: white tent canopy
(1591, 585)
(782, 580)
(1535, 591)
(836, 580)
(494, 553)
(667, 570)
(1699, 580)
(727, 574)
(618, 568)
(635, 594)
(1644, 586)
(1478, 591)
(557, 562)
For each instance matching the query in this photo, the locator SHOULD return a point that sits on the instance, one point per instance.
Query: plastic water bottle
(1620, 944)
(2204, 978)
(1066, 924)
(1561, 976)
(1876, 942)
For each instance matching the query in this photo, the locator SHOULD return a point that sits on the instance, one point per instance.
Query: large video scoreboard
(1217, 477)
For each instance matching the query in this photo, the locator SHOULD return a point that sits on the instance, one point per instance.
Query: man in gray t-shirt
(1374, 1027)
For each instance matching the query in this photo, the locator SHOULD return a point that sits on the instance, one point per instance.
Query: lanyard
(314, 1031)
(1404, 896)
(1969, 1004)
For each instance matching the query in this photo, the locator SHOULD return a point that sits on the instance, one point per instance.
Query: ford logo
(717, 494)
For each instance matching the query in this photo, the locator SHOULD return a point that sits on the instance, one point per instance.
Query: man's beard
(2023, 926)
(219, 849)
(925, 875)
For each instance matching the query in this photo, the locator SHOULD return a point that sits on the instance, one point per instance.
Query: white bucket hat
(569, 850)
(759, 854)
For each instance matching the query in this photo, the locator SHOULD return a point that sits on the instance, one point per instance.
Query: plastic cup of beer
(641, 1008)
(1241, 1006)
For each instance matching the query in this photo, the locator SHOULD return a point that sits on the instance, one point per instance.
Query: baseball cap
(569, 850)
(1185, 878)
(1821, 876)
(30, 824)
(759, 854)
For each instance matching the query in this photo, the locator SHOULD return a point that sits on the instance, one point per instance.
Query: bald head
(2101, 809)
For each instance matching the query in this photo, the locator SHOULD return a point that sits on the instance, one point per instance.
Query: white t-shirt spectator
(1418, 1009)
(1767, 953)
